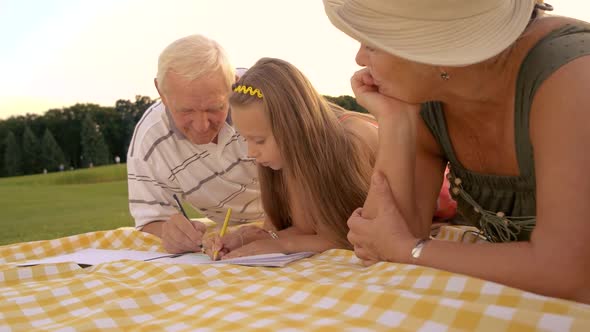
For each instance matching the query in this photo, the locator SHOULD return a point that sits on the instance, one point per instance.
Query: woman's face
(253, 124)
(399, 78)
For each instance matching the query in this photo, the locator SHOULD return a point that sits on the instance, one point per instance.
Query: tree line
(79, 136)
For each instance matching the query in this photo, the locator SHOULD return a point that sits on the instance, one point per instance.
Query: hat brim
(459, 42)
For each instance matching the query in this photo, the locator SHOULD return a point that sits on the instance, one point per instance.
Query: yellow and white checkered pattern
(327, 292)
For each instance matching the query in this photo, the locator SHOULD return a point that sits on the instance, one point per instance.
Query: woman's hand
(258, 247)
(367, 95)
(385, 237)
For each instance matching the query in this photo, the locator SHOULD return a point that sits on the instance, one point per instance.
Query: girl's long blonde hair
(330, 166)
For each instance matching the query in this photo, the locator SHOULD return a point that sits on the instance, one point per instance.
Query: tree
(130, 113)
(115, 124)
(51, 154)
(31, 151)
(12, 156)
(347, 102)
(94, 149)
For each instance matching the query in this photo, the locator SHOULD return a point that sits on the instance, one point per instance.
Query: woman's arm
(556, 261)
(559, 249)
(426, 169)
(550, 264)
(407, 155)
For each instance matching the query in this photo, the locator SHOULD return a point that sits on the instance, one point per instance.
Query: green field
(54, 205)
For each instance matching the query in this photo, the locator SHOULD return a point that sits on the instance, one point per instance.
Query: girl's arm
(290, 240)
(248, 234)
(297, 238)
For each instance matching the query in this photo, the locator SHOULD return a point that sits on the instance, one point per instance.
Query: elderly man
(185, 145)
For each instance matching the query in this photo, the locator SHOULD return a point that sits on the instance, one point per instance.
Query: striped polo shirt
(211, 177)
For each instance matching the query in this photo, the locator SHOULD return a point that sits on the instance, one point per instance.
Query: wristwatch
(417, 250)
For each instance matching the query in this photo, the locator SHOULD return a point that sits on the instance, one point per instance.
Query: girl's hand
(258, 247)
(232, 241)
(214, 243)
(385, 237)
(367, 95)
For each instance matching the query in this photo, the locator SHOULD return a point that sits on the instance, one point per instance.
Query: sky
(55, 53)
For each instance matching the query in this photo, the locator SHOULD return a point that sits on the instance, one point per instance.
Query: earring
(444, 75)
(543, 6)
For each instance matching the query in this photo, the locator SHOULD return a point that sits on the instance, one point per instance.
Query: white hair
(193, 57)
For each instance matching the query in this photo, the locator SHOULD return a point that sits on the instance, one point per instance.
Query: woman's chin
(405, 98)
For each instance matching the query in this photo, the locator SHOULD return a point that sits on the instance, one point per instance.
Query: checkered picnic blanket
(329, 291)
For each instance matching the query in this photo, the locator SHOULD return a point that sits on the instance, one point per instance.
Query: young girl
(314, 162)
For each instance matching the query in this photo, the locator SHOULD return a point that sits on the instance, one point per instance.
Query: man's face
(199, 108)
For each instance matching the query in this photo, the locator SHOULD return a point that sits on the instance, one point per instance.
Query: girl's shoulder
(362, 126)
(349, 118)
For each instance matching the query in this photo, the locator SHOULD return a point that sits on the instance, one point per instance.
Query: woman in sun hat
(499, 92)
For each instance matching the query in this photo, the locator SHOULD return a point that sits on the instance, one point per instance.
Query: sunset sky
(60, 52)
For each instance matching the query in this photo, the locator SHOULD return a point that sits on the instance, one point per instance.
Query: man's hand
(182, 235)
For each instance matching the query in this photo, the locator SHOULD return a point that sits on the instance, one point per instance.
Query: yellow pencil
(223, 229)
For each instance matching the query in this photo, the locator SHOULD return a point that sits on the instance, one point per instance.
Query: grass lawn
(47, 206)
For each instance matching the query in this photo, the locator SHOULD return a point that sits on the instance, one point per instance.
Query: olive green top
(503, 207)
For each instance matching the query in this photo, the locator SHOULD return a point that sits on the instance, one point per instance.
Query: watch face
(418, 248)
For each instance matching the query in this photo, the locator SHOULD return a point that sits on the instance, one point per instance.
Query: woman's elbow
(568, 279)
(577, 285)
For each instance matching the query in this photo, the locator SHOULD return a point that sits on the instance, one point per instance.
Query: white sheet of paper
(98, 256)
(271, 260)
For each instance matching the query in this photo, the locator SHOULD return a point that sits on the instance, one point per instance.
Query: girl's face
(397, 77)
(253, 124)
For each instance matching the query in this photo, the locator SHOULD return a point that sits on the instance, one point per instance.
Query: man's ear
(157, 88)
(160, 92)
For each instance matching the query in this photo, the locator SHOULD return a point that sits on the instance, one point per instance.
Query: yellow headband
(248, 90)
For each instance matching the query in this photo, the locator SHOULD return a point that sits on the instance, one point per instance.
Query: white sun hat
(436, 32)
